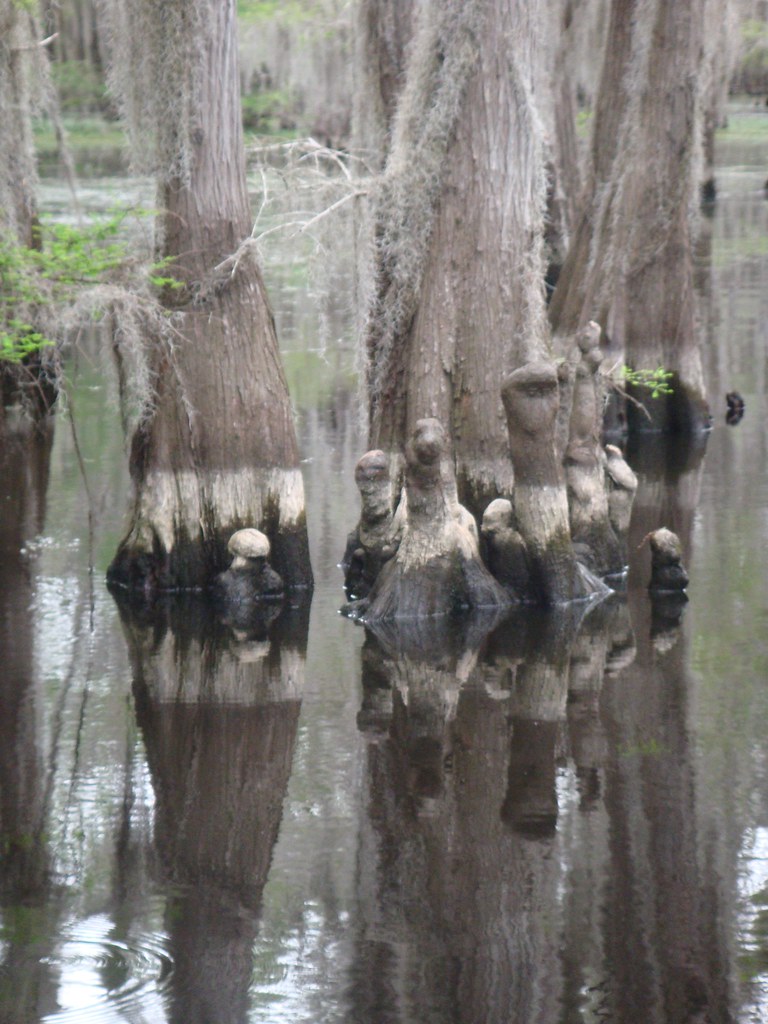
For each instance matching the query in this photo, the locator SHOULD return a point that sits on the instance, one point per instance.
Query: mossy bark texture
(458, 289)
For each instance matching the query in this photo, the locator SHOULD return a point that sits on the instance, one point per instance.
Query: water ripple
(101, 977)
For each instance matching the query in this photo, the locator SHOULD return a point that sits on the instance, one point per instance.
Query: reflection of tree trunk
(604, 643)
(464, 915)
(458, 904)
(23, 481)
(662, 939)
(219, 723)
(27, 988)
(665, 952)
(537, 716)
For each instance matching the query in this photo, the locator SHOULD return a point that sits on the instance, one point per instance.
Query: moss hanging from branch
(155, 77)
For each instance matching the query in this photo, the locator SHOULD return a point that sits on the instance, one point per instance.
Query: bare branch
(334, 206)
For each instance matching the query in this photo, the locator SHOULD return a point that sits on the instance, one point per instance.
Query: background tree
(383, 31)
(24, 372)
(215, 446)
(629, 265)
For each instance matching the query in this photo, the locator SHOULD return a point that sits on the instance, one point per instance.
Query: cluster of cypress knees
(561, 536)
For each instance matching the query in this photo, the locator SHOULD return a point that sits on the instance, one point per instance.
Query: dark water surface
(563, 821)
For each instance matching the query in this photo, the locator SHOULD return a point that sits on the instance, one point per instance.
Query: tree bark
(458, 293)
(540, 500)
(217, 449)
(630, 263)
(383, 32)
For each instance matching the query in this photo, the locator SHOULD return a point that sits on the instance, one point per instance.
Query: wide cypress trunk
(216, 449)
(458, 288)
(630, 263)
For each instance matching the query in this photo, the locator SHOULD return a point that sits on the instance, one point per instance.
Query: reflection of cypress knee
(530, 805)
(667, 585)
(588, 747)
(538, 711)
(375, 712)
(585, 731)
(531, 402)
(667, 570)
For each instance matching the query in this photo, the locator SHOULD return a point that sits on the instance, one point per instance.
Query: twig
(36, 46)
(264, 200)
(334, 206)
(630, 398)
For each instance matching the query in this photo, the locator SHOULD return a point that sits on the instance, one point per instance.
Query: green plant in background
(18, 340)
(65, 260)
(268, 112)
(656, 381)
(80, 88)
(751, 73)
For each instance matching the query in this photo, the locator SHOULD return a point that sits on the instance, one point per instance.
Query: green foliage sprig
(656, 381)
(64, 261)
(19, 339)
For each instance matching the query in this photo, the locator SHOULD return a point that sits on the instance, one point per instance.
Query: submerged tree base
(183, 522)
(437, 569)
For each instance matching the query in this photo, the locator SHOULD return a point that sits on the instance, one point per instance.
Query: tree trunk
(217, 449)
(30, 385)
(458, 292)
(630, 263)
(383, 31)
(558, 84)
(18, 170)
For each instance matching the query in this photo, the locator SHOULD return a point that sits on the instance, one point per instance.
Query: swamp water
(564, 821)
